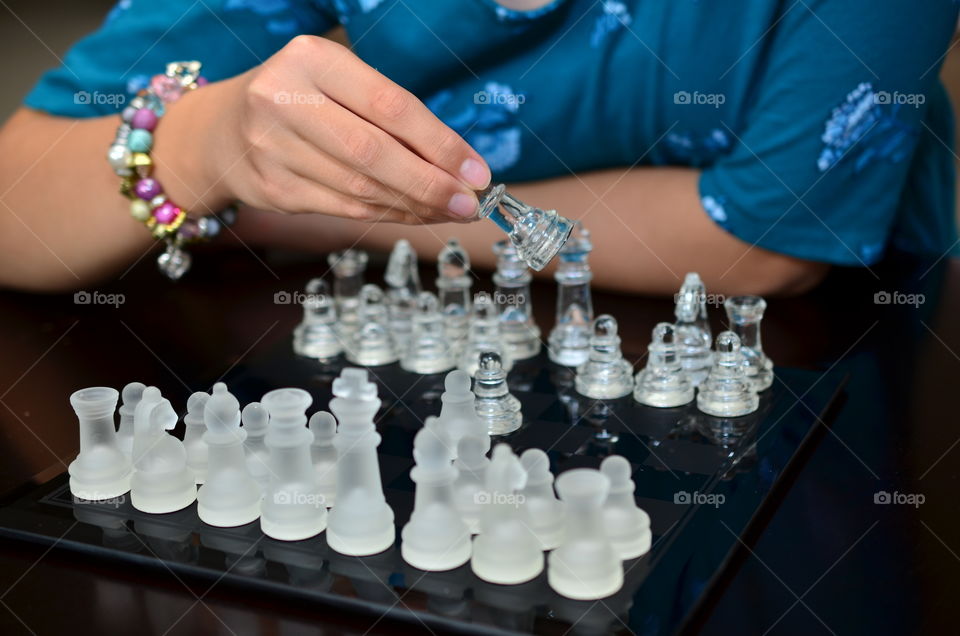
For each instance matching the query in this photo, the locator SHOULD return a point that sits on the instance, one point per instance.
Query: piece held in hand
(403, 281)
(663, 382)
(540, 509)
(569, 342)
(519, 332)
(102, 470)
(627, 526)
(316, 336)
(727, 392)
(324, 454)
(194, 428)
(255, 420)
(693, 328)
(496, 407)
(745, 314)
(130, 396)
(293, 507)
(605, 375)
(537, 234)
(428, 350)
(585, 567)
(372, 345)
(483, 336)
(348, 266)
(471, 465)
(453, 292)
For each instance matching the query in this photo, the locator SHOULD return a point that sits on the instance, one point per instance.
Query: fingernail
(463, 205)
(475, 173)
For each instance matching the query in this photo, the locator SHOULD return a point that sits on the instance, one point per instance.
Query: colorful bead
(140, 140)
(166, 213)
(127, 114)
(166, 88)
(190, 229)
(144, 119)
(142, 164)
(147, 188)
(119, 157)
(140, 210)
(155, 104)
(202, 81)
(158, 200)
(212, 226)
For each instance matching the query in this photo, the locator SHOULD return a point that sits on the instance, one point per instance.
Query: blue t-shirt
(820, 126)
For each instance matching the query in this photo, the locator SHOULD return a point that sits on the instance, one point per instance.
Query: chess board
(708, 484)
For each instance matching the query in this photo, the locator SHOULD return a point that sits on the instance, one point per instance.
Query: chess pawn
(585, 567)
(293, 507)
(453, 292)
(483, 335)
(436, 538)
(162, 482)
(627, 526)
(505, 551)
(403, 280)
(316, 336)
(229, 496)
(428, 350)
(663, 382)
(255, 420)
(540, 509)
(693, 328)
(361, 523)
(324, 454)
(520, 333)
(496, 407)
(102, 470)
(537, 234)
(348, 266)
(468, 488)
(130, 396)
(605, 375)
(458, 415)
(569, 342)
(727, 391)
(745, 314)
(372, 345)
(194, 428)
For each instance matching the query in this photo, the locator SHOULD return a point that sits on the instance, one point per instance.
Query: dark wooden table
(831, 560)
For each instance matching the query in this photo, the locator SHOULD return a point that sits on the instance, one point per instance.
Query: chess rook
(745, 314)
(102, 470)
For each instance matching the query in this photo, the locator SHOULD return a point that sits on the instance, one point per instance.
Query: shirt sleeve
(139, 37)
(822, 155)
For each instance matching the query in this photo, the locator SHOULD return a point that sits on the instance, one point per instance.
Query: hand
(315, 130)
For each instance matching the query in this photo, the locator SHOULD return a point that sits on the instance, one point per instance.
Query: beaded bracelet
(129, 156)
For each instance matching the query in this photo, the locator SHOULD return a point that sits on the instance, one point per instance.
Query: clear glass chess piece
(605, 375)
(663, 382)
(453, 292)
(403, 282)
(372, 345)
(316, 336)
(498, 409)
(428, 350)
(483, 335)
(537, 234)
(727, 391)
(745, 314)
(569, 342)
(348, 266)
(519, 332)
(693, 328)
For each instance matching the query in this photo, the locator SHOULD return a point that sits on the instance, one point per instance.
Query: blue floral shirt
(820, 126)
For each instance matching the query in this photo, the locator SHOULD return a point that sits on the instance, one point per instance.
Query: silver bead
(158, 200)
(212, 226)
(174, 262)
(119, 157)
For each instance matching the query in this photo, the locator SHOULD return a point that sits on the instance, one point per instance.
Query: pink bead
(165, 213)
(202, 81)
(145, 119)
(166, 88)
(147, 188)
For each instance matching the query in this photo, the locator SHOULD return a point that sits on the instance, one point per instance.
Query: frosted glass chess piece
(316, 336)
(348, 266)
(361, 522)
(745, 314)
(324, 454)
(693, 328)
(403, 281)
(537, 234)
(519, 332)
(293, 507)
(194, 428)
(727, 391)
(585, 566)
(569, 342)
(453, 292)
(505, 551)
(255, 420)
(230, 496)
(130, 396)
(471, 465)
(428, 350)
(627, 526)
(663, 382)
(497, 408)
(483, 335)
(540, 509)
(162, 482)
(102, 470)
(372, 345)
(605, 375)
(435, 538)
(458, 415)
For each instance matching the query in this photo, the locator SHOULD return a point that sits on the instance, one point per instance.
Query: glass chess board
(708, 485)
